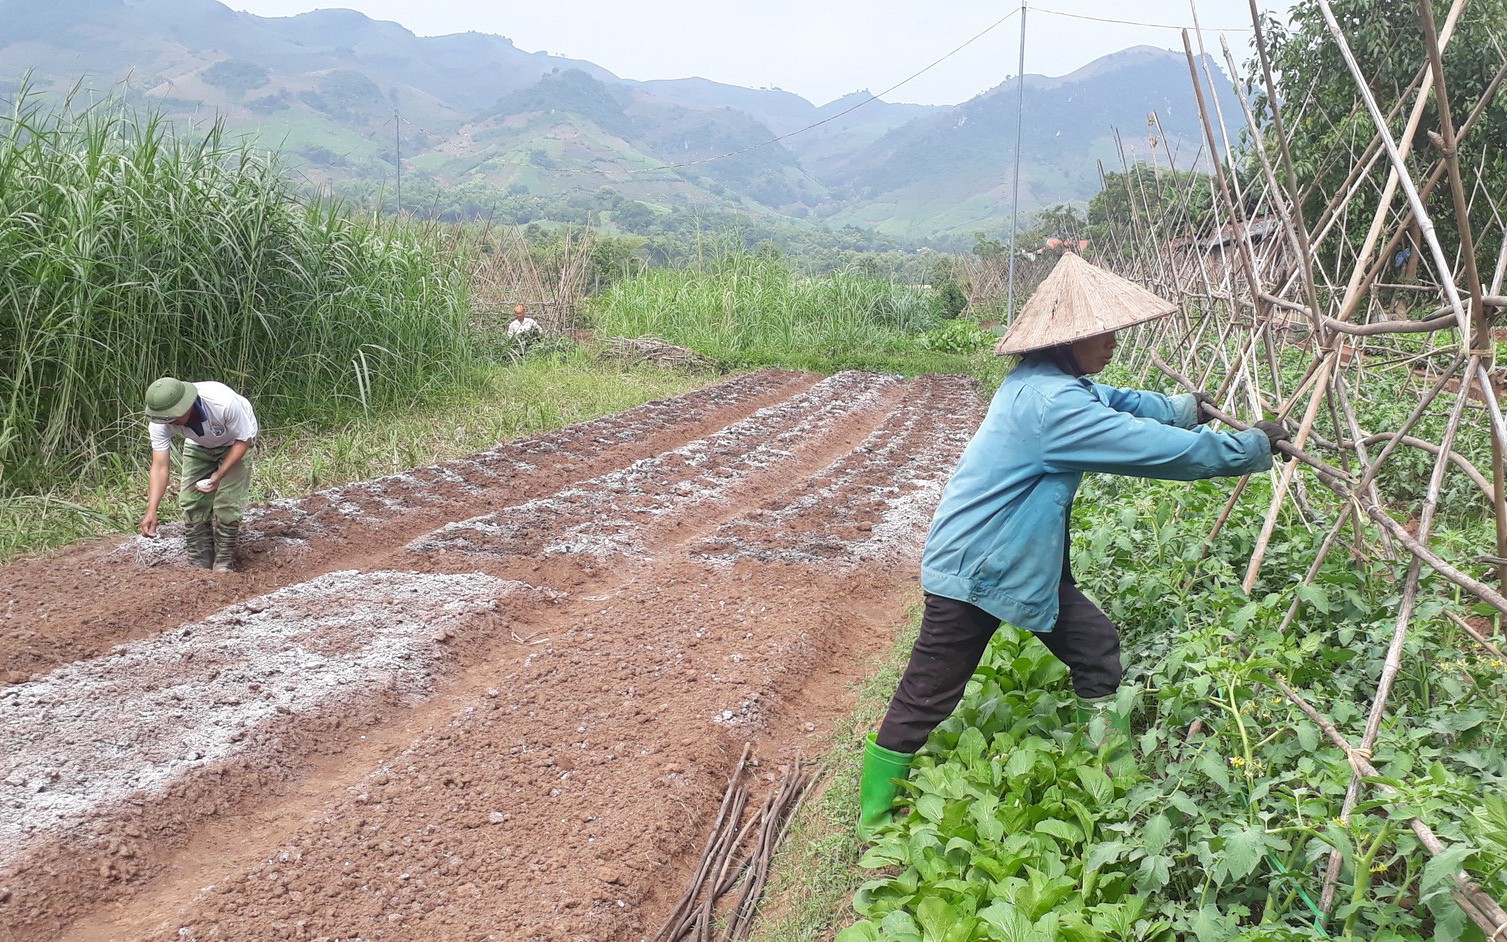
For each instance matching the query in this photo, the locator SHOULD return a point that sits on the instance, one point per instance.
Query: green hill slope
(343, 94)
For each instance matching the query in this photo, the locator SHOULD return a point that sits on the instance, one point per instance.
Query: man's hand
(1200, 400)
(1275, 432)
(148, 524)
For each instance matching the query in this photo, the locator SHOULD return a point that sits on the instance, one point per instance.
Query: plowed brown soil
(497, 698)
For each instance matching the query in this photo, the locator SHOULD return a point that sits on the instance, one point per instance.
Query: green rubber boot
(878, 785)
(227, 535)
(1090, 709)
(199, 541)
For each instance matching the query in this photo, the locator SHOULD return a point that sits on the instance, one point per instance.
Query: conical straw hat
(1079, 300)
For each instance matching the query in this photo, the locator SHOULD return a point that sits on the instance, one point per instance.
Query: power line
(1105, 19)
(783, 137)
(905, 81)
(846, 111)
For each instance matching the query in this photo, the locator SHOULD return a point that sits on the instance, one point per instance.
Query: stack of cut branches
(738, 854)
(653, 350)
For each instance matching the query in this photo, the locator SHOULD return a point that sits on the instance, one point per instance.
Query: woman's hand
(1275, 432)
(1200, 400)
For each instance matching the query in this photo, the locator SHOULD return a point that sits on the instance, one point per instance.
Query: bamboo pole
(1291, 212)
(1284, 477)
(1499, 485)
(1459, 460)
(1298, 235)
(1358, 495)
(1405, 179)
(1353, 294)
(1435, 175)
(1227, 193)
(1393, 662)
(1481, 639)
(1323, 468)
(1479, 589)
(1372, 470)
(1480, 338)
(1480, 335)
(1351, 301)
(1338, 482)
(1470, 336)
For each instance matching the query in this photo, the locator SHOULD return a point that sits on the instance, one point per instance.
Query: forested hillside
(481, 128)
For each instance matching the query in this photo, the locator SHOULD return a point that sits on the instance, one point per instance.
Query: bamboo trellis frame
(509, 272)
(1261, 278)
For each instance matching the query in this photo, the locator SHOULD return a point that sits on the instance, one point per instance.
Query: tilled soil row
(79, 602)
(513, 726)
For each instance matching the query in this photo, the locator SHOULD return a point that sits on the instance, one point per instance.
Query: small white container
(205, 486)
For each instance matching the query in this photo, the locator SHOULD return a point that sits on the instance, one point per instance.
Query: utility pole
(1020, 106)
(397, 143)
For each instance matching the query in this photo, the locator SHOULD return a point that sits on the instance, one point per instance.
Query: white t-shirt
(516, 327)
(227, 418)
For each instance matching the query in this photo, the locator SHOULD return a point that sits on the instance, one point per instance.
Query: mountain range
(349, 99)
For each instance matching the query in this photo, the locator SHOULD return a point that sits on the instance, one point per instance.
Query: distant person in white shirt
(523, 328)
(218, 427)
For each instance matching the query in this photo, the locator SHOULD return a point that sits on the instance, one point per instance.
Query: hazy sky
(819, 49)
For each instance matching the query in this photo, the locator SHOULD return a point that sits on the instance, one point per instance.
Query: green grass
(497, 403)
(749, 311)
(127, 253)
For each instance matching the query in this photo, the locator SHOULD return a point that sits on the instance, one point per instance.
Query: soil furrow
(608, 516)
(77, 603)
(853, 510)
(590, 684)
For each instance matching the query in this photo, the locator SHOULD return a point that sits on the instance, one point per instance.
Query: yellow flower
(1236, 761)
(1342, 822)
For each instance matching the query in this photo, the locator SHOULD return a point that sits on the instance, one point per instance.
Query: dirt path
(494, 699)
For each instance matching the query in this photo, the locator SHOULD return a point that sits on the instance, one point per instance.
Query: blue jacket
(999, 536)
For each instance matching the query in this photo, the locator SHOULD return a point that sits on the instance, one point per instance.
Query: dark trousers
(953, 637)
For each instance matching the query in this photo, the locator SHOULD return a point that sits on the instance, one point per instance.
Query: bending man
(218, 427)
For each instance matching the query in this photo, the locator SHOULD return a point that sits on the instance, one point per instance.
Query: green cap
(168, 399)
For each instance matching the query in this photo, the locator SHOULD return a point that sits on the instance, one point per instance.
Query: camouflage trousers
(228, 502)
(212, 522)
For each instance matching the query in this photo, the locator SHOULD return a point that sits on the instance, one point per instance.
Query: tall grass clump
(750, 310)
(127, 252)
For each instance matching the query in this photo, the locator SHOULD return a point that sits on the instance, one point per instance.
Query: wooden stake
(1404, 177)
(1393, 662)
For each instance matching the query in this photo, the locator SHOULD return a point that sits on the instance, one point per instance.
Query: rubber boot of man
(878, 785)
(1090, 709)
(199, 541)
(226, 537)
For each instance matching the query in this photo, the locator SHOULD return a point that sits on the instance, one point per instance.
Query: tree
(943, 277)
(1062, 221)
(633, 216)
(1332, 125)
(985, 247)
(1148, 203)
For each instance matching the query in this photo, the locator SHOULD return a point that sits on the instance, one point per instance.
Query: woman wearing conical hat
(998, 547)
